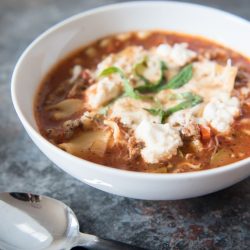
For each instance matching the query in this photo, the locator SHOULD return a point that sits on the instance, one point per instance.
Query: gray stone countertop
(216, 221)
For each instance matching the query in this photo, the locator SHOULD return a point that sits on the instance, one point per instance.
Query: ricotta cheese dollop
(185, 122)
(131, 112)
(177, 55)
(104, 91)
(161, 141)
(220, 112)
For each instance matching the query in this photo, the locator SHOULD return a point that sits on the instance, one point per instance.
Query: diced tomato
(205, 132)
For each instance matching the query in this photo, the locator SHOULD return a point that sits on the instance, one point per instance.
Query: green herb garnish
(158, 112)
(149, 86)
(129, 90)
(190, 101)
(179, 96)
(183, 77)
(139, 67)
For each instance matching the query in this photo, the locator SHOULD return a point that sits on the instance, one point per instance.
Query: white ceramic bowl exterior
(81, 29)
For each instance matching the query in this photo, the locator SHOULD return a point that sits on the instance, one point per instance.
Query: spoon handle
(95, 243)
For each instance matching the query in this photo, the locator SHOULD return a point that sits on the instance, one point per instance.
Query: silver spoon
(35, 222)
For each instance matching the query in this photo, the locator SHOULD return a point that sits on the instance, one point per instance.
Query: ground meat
(242, 78)
(70, 126)
(81, 84)
(134, 148)
(191, 131)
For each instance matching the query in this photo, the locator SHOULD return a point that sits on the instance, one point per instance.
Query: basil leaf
(190, 101)
(178, 96)
(129, 90)
(111, 70)
(139, 68)
(157, 112)
(149, 86)
(183, 77)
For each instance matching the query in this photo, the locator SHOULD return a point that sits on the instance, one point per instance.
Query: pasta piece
(87, 119)
(91, 141)
(157, 170)
(190, 165)
(65, 108)
(210, 79)
(116, 130)
(222, 155)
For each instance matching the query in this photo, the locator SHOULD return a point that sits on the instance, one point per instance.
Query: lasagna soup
(149, 101)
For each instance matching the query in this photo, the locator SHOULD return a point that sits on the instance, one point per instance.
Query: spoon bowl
(36, 222)
(30, 221)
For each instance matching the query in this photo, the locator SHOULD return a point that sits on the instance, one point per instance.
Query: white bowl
(83, 28)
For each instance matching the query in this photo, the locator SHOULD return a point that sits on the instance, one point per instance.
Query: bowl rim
(100, 167)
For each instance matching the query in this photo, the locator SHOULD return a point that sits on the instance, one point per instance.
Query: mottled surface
(216, 221)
